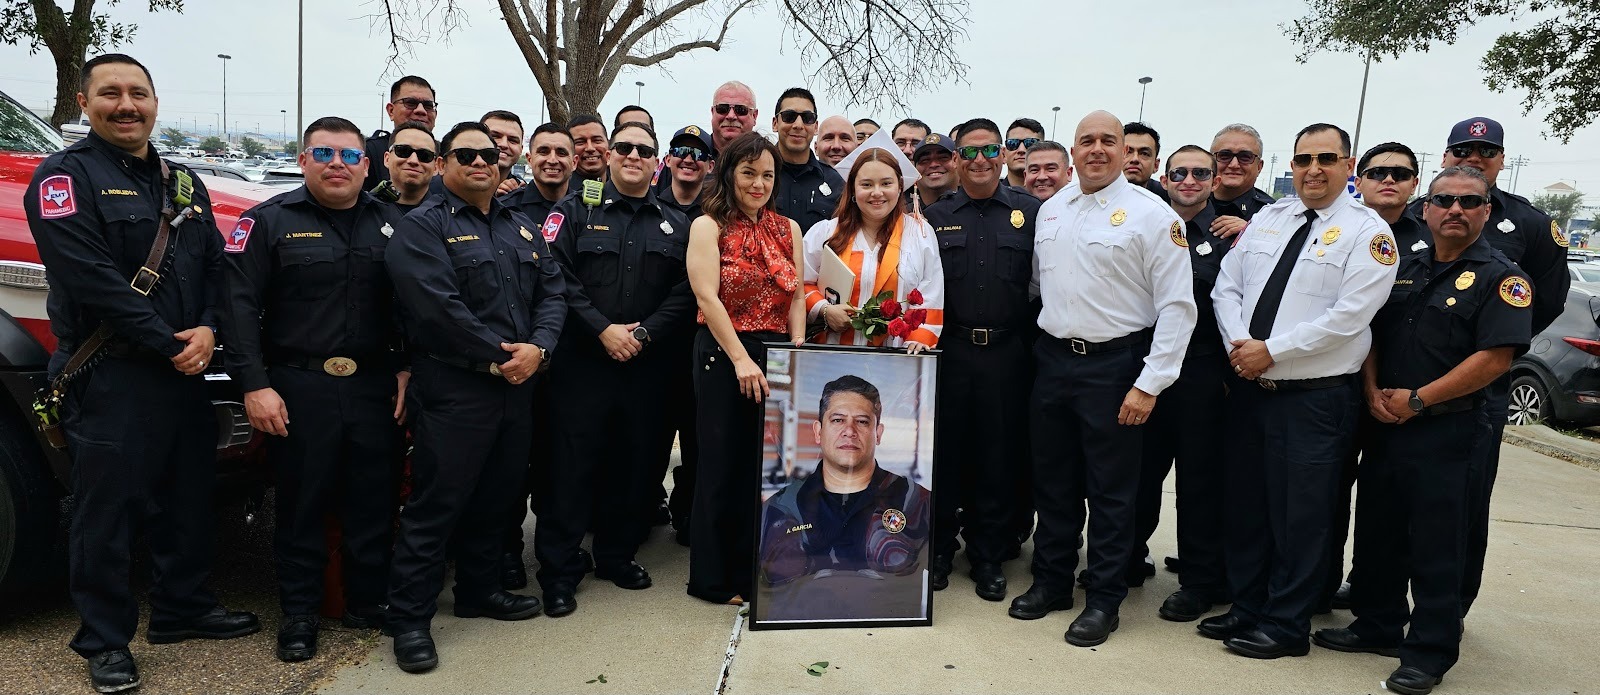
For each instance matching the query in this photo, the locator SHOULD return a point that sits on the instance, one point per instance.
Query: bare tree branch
(715, 45)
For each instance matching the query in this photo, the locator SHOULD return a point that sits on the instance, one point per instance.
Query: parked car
(34, 498)
(1583, 272)
(216, 169)
(1558, 379)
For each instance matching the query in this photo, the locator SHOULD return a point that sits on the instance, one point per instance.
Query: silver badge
(665, 227)
(824, 189)
(1420, 245)
(1506, 226)
(1204, 248)
(388, 231)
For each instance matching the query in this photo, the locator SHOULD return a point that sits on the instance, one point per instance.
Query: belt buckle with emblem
(494, 369)
(1267, 384)
(339, 366)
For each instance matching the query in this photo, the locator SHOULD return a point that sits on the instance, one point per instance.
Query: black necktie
(1272, 295)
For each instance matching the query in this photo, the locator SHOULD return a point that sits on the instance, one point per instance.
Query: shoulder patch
(552, 227)
(239, 235)
(56, 198)
(1177, 234)
(1555, 231)
(1383, 250)
(1517, 292)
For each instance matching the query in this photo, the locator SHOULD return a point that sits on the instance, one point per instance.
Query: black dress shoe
(1039, 602)
(939, 572)
(414, 652)
(297, 637)
(220, 623)
(1257, 645)
(1410, 680)
(631, 576)
(513, 575)
(1224, 626)
(1343, 639)
(559, 600)
(113, 671)
(363, 617)
(1185, 605)
(501, 605)
(1173, 563)
(1341, 598)
(990, 579)
(1092, 628)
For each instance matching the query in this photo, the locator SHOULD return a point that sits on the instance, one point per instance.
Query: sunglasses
(1013, 143)
(465, 156)
(412, 103)
(739, 109)
(971, 152)
(1181, 173)
(624, 148)
(405, 152)
(1484, 151)
(1245, 157)
(1468, 202)
(1399, 174)
(788, 116)
(684, 152)
(349, 155)
(1326, 159)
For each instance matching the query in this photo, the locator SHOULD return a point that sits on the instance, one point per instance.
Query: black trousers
(1484, 467)
(680, 410)
(469, 456)
(342, 456)
(1079, 451)
(142, 439)
(1339, 533)
(983, 444)
(1189, 425)
(539, 453)
(1282, 475)
(608, 442)
(727, 485)
(1411, 526)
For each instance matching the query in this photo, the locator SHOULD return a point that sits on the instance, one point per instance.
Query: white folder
(835, 275)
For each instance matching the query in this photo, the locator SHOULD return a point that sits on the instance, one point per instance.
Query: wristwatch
(544, 359)
(641, 334)
(1416, 403)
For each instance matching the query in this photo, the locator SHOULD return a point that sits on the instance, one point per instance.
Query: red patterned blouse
(758, 273)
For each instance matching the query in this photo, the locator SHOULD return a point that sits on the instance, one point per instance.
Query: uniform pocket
(664, 262)
(953, 254)
(474, 274)
(1015, 257)
(1320, 276)
(597, 260)
(1107, 251)
(306, 271)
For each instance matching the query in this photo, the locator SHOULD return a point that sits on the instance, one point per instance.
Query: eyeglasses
(624, 148)
(1013, 143)
(788, 116)
(1399, 174)
(411, 104)
(465, 156)
(1245, 157)
(405, 152)
(739, 109)
(349, 155)
(1181, 173)
(1484, 151)
(971, 152)
(1468, 202)
(683, 152)
(1326, 159)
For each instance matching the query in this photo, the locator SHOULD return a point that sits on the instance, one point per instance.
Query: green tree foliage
(1553, 57)
(1561, 207)
(251, 147)
(213, 143)
(68, 35)
(174, 137)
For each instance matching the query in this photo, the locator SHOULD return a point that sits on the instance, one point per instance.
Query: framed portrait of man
(846, 500)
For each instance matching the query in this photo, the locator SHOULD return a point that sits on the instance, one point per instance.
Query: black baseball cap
(1477, 129)
(934, 140)
(696, 132)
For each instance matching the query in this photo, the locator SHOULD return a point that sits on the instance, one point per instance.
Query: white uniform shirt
(1116, 262)
(1343, 277)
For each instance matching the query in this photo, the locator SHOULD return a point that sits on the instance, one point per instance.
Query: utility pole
(225, 58)
(300, 74)
(1517, 162)
(1272, 171)
(1055, 116)
(1144, 86)
(1361, 110)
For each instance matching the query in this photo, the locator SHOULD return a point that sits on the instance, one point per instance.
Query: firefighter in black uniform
(808, 190)
(985, 233)
(626, 290)
(411, 98)
(482, 302)
(1188, 422)
(138, 418)
(1537, 245)
(311, 326)
(1458, 314)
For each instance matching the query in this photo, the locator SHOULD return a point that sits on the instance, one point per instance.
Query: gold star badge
(1118, 217)
(1017, 219)
(1331, 235)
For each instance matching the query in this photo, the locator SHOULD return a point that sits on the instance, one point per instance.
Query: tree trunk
(67, 76)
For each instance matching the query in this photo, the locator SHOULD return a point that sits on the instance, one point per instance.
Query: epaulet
(1152, 197)
(1278, 204)
(1262, 196)
(379, 134)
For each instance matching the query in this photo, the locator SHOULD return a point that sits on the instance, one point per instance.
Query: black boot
(297, 638)
(113, 671)
(414, 652)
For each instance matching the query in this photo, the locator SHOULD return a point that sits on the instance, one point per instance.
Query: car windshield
(21, 131)
(1589, 274)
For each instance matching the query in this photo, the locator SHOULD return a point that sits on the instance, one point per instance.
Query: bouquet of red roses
(883, 315)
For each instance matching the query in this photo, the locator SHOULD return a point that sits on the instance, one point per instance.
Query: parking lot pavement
(1530, 632)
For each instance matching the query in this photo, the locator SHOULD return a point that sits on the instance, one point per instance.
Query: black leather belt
(1457, 405)
(1325, 382)
(485, 367)
(981, 336)
(1079, 346)
(332, 365)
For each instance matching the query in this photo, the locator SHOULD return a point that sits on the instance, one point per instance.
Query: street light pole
(638, 97)
(225, 58)
(285, 131)
(1361, 109)
(300, 73)
(1144, 83)
(1055, 117)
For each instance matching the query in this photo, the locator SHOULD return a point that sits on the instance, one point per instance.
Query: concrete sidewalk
(1532, 631)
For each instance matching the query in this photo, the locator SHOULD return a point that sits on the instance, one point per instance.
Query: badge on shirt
(388, 230)
(1555, 231)
(1204, 248)
(666, 227)
(1016, 219)
(894, 520)
(1516, 292)
(552, 227)
(55, 198)
(1450, 301)
(1465, 280)
(1177, 234)
(1382, 248)
(1506, 226)
(526, 235)
(239, 235)
(1420, 245)
(824, 189)
(1331, 235)
(1118, 217)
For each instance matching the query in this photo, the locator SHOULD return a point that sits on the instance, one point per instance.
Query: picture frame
(845, 505)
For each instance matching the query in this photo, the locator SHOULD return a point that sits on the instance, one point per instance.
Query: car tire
(1529, 401)
(30, 509)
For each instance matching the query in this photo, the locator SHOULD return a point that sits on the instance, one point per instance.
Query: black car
(1558, 379)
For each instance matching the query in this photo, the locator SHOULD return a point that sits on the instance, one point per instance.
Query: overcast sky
(1210, 68)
